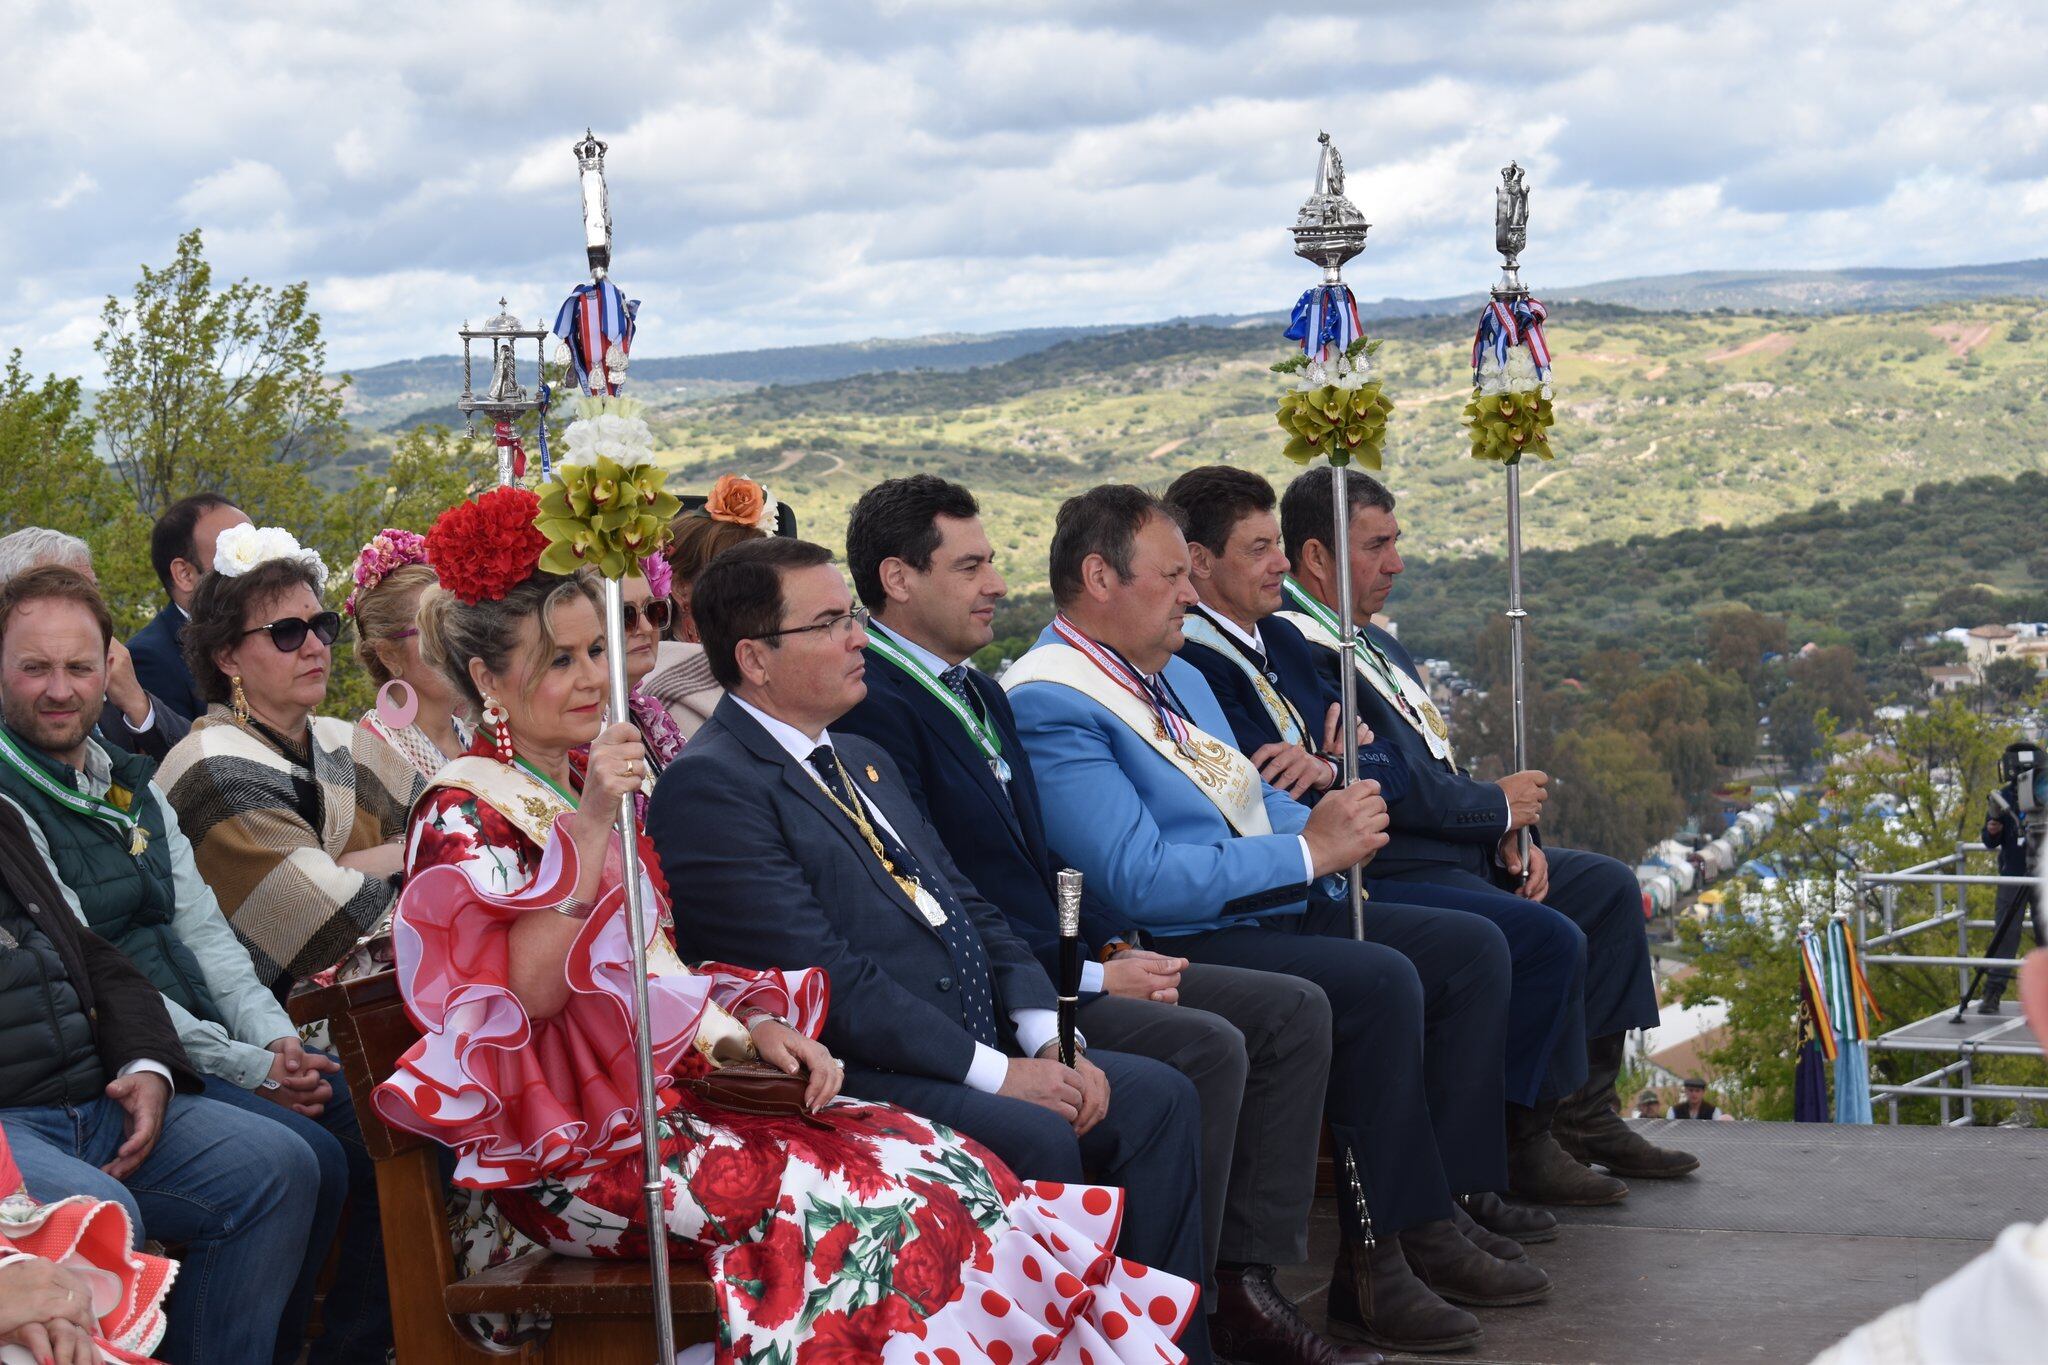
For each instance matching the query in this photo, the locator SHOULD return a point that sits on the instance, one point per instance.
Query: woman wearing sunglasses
(294, 818)
(649, 613)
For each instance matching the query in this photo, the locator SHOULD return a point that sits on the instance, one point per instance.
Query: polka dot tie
(962, 939)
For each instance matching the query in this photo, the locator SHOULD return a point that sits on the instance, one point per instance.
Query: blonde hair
(385, 611)
(452, 633)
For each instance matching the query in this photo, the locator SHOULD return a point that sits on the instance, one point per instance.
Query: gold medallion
(873, 776)
(138, 842)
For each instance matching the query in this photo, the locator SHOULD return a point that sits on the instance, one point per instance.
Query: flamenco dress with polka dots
(877, 1235)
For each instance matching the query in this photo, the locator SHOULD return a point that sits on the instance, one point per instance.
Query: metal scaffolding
(1958, 1035)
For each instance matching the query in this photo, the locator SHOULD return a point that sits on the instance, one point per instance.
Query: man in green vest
(113, 846)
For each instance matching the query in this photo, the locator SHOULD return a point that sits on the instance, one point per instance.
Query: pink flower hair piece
(387, 550)
(660, 577)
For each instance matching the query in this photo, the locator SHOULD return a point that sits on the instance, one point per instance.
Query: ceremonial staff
(1070, 959)
(1510, 416)
(607, 509)
(1338, 412)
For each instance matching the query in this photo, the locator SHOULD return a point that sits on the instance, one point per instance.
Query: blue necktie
(962, 939)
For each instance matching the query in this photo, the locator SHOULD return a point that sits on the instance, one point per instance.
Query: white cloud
(826, 169)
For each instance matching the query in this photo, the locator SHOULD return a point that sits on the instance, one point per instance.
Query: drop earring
(500, 726)
(239, 702)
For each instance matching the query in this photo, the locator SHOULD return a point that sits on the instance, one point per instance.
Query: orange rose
(737, 500)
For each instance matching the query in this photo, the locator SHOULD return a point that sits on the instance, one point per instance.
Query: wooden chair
(603, 1310)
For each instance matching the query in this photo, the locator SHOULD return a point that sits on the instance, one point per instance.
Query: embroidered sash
(1288, 721)
(1222, 774)
(1403, 693)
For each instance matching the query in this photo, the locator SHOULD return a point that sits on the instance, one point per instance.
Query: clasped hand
(1078, 1093)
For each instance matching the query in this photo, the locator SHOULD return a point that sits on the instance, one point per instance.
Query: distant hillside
(1666, 422)
(406, 392)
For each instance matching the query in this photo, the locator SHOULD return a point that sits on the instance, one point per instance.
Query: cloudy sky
(840, 169)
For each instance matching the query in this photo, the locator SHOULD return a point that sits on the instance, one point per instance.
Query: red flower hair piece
(484, 548)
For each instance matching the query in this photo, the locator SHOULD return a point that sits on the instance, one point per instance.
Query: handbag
(756, 1088)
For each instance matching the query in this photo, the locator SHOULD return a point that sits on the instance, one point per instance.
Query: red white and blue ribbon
(541, 425)
(1326, 317)
(1123, 675)
(1506, 324)
(596, 320)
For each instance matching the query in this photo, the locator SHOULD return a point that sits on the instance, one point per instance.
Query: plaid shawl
(294, 908)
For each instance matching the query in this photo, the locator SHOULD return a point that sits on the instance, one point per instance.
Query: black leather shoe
(1526, 1225)
(1492, 1243)
(1542, 1172)
(1375, 1298)
(1456, 1270)
(1255, 1324)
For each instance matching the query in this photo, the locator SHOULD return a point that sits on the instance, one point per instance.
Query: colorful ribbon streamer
(1504, 325)
(547, 465)
(595, 321)
(1325, 321)
(1852, 1006)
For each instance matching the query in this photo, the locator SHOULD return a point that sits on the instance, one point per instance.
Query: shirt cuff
(1091, 978)
(143, 1065)
(1308, 860)
(148, 720)
(1035, 1028)
(988, 1070)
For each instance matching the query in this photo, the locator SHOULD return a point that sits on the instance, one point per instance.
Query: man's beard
(24, 720)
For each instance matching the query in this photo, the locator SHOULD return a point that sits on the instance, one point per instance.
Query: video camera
(2020, 765)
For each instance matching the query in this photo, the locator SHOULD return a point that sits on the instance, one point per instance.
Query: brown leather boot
(1590, 1127)
(1458, 1271)
(1492, 1243)
(1375, 1297)
(1542, 1172)
(1255, 1324)
(1526, 1225)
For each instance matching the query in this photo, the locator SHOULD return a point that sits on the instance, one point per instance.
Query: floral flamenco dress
(874, 1235)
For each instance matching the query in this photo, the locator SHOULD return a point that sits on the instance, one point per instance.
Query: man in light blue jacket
(1175, 831)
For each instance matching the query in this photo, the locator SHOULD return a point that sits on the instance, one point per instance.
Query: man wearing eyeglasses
(789, 845)
(115, 853)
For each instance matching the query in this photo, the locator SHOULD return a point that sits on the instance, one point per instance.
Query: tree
(217, 389)
(1738, 638)
(1832, 677)
(2010, 679)
(1610, 794)
(54, 479)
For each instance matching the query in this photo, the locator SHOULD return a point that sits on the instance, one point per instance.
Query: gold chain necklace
(908, 885)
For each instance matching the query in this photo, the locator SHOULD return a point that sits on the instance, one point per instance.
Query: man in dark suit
(1452, 830)
(1256, 1044)
(791, 846)
(181, 552)
(134, 721)
(1283, 713)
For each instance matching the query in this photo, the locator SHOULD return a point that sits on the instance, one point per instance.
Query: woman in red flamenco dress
(71, 1291)
(855, 1232)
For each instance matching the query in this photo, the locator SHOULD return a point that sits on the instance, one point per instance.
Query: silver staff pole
(1330, 230)
(597, 233)
(1510, 235)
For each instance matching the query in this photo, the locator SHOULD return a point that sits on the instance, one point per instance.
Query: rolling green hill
(1666, 422)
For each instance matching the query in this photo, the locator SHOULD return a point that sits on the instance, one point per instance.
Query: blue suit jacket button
(945, 983)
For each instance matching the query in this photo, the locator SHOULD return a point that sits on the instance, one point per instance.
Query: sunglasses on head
(289, 633)
(659, 612)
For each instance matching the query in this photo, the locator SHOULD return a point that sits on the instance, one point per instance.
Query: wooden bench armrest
(570, 1286)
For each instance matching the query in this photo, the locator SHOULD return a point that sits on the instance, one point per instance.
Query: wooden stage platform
(1787, 1237)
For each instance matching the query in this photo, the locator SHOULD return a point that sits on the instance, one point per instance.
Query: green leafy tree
(1610, 793)
(219, 389)
(1738, 638)
(2010, 679)
(54, 478)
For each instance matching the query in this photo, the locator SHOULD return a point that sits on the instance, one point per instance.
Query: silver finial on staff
(1330, 230)
(597, 206)
(1070, 959)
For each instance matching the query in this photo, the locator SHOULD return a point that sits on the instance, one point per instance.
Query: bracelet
(571, 908)
(754, 1014)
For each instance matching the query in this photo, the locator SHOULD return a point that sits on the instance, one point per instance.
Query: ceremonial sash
(1222, 774)
(71, 798)
(1406, 695)
(532, 803)
(1288, 721)
(980, 731)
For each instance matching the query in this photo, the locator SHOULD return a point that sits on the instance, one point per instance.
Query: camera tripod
(2008, 924)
